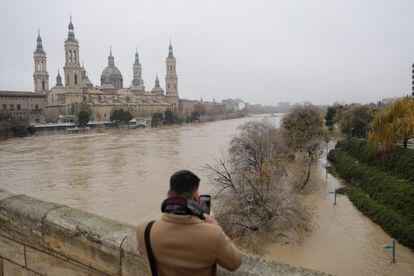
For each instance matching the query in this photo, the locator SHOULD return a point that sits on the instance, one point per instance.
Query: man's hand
(210, 218)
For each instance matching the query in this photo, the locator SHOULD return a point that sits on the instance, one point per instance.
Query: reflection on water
(124, 176)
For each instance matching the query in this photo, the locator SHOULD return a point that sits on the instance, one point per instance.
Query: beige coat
(187, 245)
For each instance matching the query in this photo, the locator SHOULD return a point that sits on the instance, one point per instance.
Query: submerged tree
(84, 114)
(121, 115)
(169, 117)
(156, 119)
(305, 134)
(252, 196)
(394, 124)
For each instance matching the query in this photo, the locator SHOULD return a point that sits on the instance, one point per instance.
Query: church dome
(111, 77)
(111, 72)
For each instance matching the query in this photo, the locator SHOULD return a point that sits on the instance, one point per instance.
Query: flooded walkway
(344, 241)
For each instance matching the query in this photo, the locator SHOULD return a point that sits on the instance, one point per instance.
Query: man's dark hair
(184, 183)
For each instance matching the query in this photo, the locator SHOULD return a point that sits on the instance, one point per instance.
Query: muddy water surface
(124, 176)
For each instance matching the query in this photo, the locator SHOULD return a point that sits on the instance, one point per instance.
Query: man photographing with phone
(186, 240)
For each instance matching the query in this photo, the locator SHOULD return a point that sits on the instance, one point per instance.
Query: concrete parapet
(44, 238)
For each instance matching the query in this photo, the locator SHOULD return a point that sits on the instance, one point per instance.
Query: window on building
(18, 107)
(74, 55)
(4, 106)
(175, 86)
(168, 86)
(36, 107)
(67, 82)
(12, 107)
(76, 79)
(43, 85)
(70, 55)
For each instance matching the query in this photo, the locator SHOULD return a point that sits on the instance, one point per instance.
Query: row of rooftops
(26, 94)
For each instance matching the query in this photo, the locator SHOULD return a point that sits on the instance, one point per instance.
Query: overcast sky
(261, 51)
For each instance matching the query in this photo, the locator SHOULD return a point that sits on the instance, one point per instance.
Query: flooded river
(124, 176)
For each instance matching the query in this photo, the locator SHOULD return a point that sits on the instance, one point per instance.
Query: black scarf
(182, 206)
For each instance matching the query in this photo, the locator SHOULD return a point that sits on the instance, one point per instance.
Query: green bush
(400, 162)
(386, 189)
(391, 221)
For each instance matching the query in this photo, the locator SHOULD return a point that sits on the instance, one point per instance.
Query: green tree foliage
(355, 120)
(121, 115)
(394, 124)
(305, 133)
(331, 115)
(157, 119)
(399, 162)
(84, 114)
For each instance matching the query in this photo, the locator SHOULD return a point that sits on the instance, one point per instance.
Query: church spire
(111, 61)
(170, 50)
(58, 79)
(136, 56)
(71, 33)
(39, 46)
(157, 81)
(40, 75)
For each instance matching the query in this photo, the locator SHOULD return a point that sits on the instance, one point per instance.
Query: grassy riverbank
(379, 189)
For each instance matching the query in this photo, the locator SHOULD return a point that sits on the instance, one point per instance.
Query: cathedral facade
(74, 87)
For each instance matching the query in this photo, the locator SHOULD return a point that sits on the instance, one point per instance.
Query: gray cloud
(261, 51)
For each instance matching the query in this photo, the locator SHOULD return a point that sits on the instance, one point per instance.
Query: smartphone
(205, 203)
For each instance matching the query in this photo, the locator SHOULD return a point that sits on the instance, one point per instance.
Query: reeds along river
(125, 175)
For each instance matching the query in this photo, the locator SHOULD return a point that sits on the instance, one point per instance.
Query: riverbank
(100, 127)
(381, 187)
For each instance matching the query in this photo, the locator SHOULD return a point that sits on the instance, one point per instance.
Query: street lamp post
(326, 162)
(392, 246)
(334, 193)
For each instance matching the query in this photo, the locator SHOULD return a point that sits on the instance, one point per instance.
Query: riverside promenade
(44, 238)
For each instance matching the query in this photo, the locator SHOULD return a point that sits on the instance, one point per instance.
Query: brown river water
(124, 175)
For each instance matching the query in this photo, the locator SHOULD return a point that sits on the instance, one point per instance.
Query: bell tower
(171, 80)
(137, 84)
(40, 75)
(72, 68)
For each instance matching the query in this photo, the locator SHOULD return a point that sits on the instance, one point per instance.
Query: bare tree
(252, 196)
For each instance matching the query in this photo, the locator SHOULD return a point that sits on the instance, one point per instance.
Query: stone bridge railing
(44, 238)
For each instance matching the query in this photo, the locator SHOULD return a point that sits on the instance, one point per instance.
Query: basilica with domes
(74, 87)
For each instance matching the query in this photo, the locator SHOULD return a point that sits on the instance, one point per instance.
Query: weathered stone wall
(44, 238)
